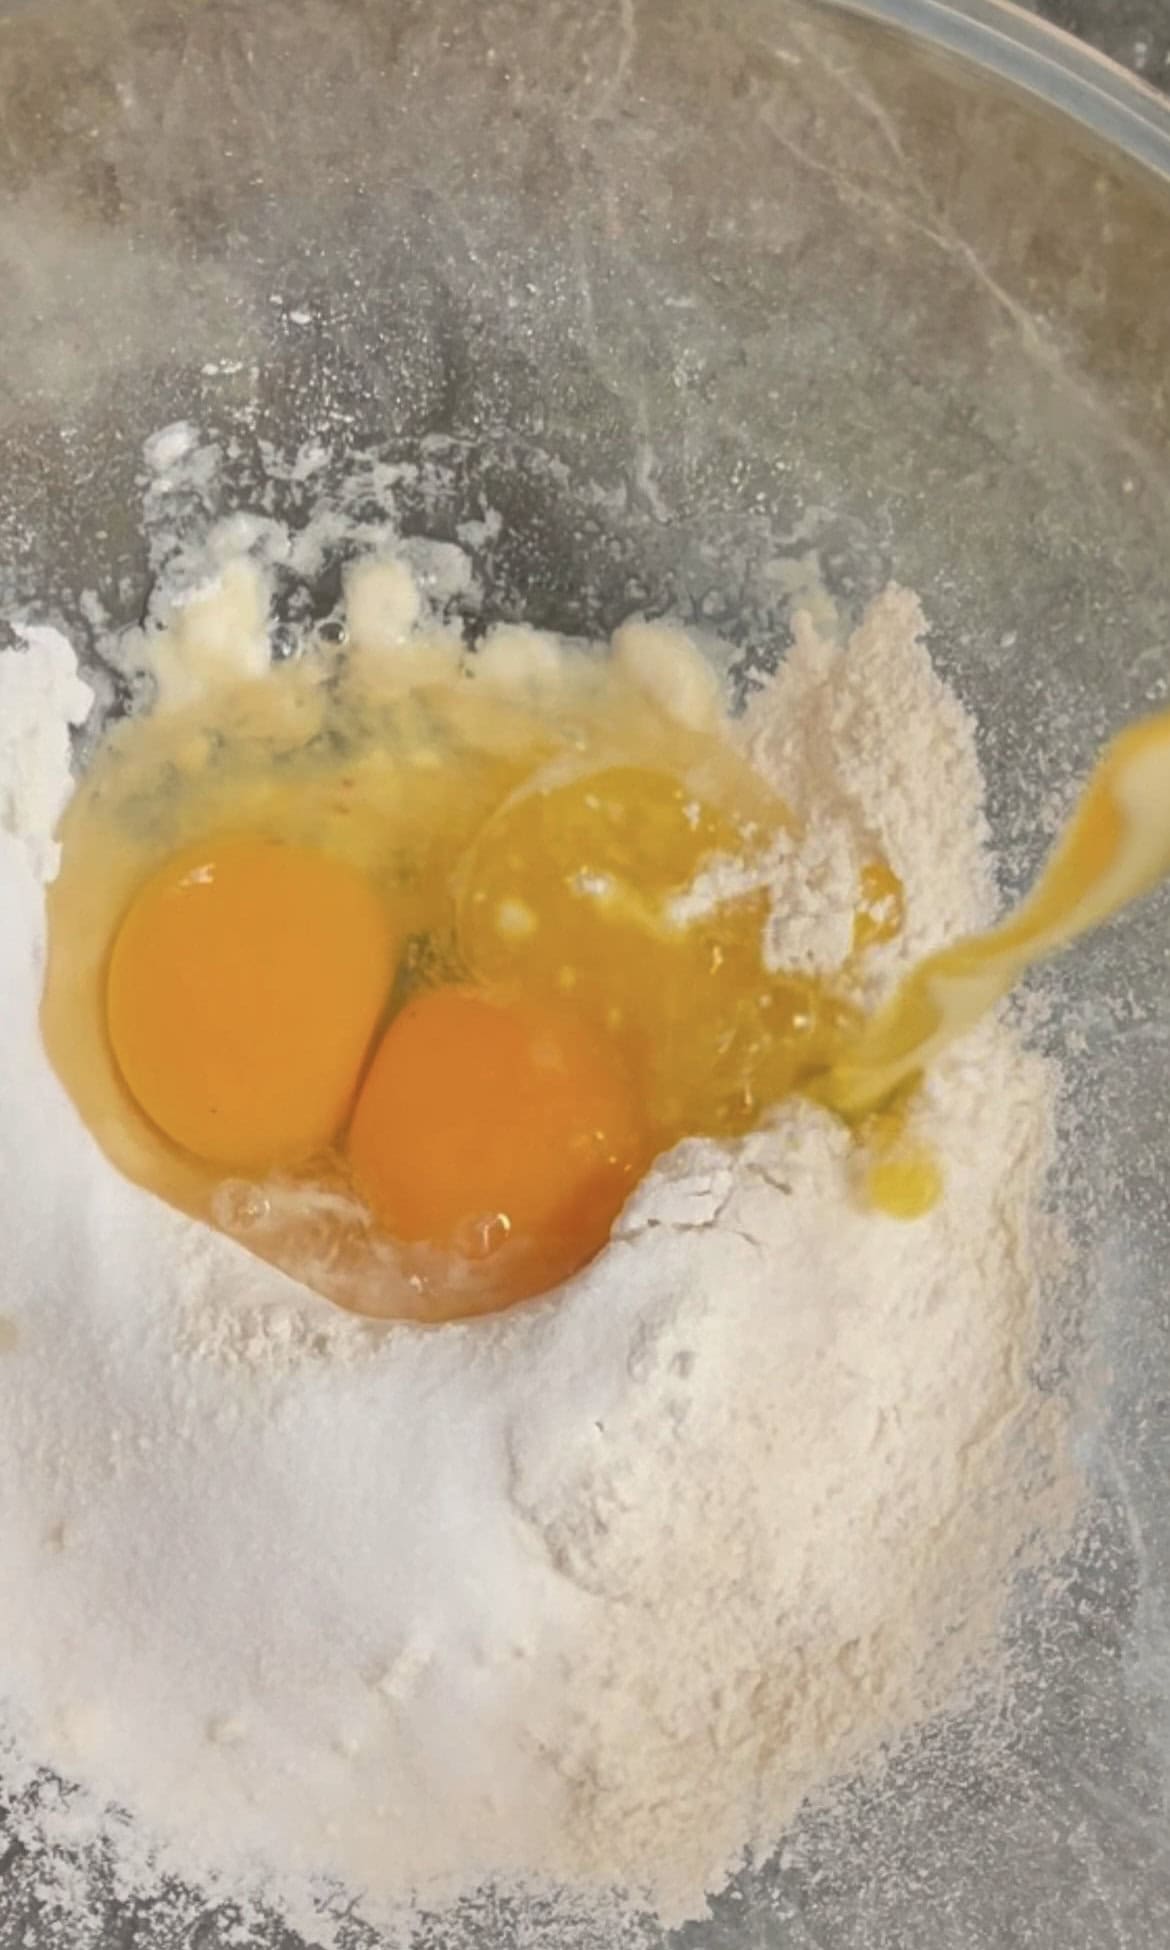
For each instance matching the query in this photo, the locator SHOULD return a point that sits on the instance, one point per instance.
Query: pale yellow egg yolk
(582, 890)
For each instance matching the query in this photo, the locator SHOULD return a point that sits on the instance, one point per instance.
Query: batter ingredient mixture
(321, 928)
(590, 1595)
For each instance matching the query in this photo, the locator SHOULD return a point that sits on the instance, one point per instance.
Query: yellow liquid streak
(1115, 848)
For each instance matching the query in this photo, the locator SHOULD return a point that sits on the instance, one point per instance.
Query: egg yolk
(243, 990)
(497, 1130)
(593, 889)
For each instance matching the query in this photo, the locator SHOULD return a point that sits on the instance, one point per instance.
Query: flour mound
(593, 1595)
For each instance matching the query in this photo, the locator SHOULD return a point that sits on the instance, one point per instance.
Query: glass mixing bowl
(702, 298)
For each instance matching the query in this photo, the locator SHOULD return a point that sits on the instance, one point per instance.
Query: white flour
(594, 1594)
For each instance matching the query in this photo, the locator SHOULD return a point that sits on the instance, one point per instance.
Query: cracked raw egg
(401, 969)
(591, 889)
(490, 1124)
(243, 988)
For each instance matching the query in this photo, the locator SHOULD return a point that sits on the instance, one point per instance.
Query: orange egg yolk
(243, 991)
(501, 1131)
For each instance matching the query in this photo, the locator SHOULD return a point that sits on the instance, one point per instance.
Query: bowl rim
(1043, 59)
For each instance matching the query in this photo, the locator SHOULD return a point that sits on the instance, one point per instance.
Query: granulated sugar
(592, 1595)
